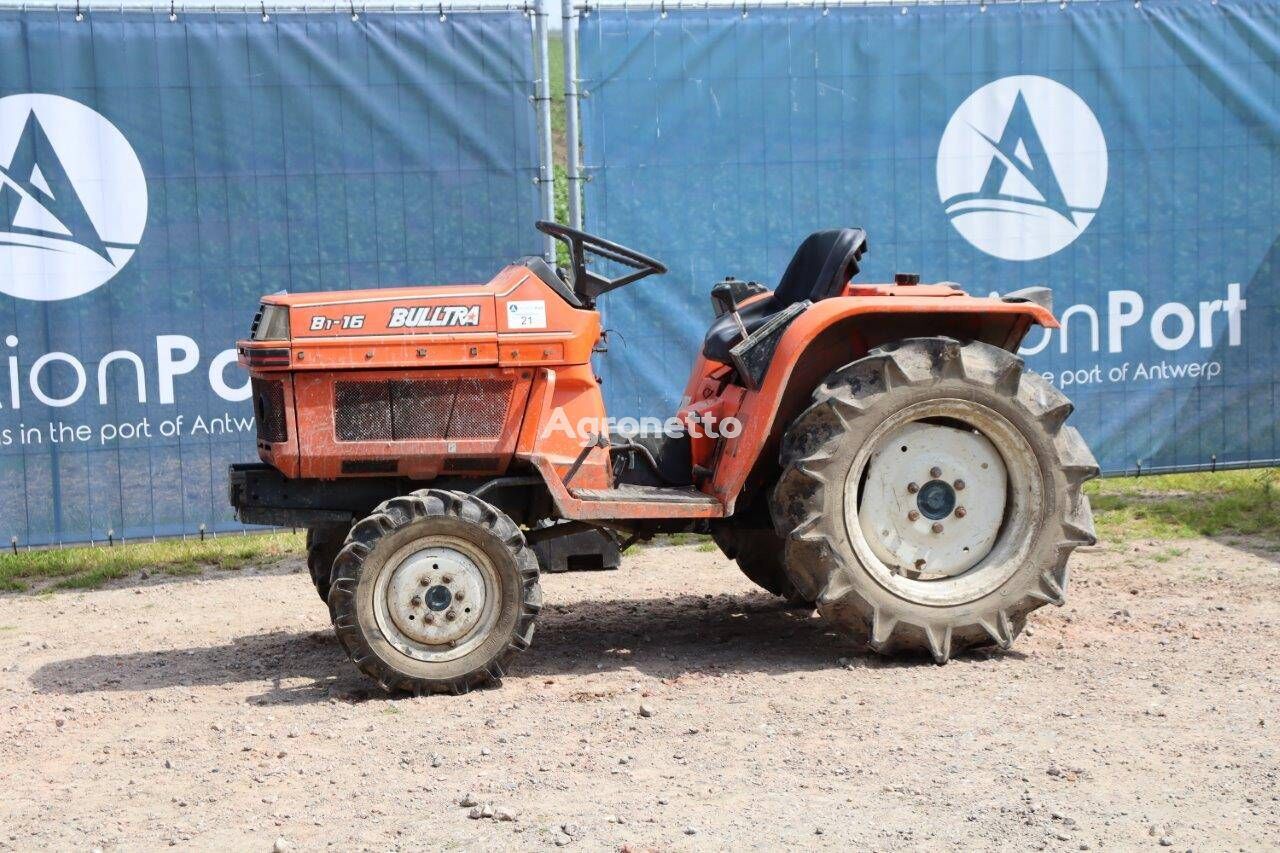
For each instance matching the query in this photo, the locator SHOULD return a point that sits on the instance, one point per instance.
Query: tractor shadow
(668, 638)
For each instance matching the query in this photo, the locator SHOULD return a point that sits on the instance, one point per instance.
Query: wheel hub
(439, 597)
(436, 596)
(932, 503)
(936, 499)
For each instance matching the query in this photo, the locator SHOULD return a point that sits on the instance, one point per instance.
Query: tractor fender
(840, 330)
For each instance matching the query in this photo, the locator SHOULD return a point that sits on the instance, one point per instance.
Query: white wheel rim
(437, 600)
(967, 435)
(933, 499)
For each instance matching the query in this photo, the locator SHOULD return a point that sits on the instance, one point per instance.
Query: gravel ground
(667, 706)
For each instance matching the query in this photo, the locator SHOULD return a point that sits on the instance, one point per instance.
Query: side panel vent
(409, 423)
(421, 409)
(472, 464)
(369, 466)
(268, 410)
(362, 411)
(480, 407)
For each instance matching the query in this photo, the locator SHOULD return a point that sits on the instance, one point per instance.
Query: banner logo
(73, 198)
(1022, 167)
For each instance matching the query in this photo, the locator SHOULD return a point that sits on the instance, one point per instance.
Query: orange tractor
(878, 451)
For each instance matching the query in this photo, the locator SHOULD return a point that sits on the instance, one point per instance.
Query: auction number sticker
(527, 314)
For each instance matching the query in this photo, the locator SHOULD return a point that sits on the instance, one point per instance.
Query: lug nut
(937, 527)
(935, 472)
(451, 615)
(424, 581)
(460, 595)
(913, 515)
(446, 579)
(428, 619)
(961, 512)
(912, 488)
(959, 484)
(416, 600)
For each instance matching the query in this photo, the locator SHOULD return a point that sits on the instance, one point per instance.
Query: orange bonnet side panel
(411, 423)
(419, 382)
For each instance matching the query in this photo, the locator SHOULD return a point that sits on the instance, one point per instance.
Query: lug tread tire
(815, 445)
(393, 515)
(323, 545)
(758, 553)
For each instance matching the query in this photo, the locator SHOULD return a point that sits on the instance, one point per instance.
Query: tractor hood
(394, 311)
(517, 317)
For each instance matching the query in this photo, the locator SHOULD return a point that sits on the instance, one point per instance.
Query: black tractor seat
(820, 268)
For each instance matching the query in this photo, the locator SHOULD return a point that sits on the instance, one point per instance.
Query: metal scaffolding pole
(572, 142)
(542, 100)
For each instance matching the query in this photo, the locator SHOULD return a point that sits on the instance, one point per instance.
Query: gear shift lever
(726, 295)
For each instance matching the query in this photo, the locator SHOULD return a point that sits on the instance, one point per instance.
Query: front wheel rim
(437, 599)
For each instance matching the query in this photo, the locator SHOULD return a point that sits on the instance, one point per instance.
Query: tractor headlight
(271, 324)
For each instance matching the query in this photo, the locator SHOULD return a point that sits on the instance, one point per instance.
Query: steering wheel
(587, 285)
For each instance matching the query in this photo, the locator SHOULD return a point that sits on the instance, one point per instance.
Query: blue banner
(1125, 155)
(158, 174)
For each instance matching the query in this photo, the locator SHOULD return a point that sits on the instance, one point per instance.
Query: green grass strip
(90, 567)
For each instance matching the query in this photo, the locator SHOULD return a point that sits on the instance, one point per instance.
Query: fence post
(569, 34)
(542, 100)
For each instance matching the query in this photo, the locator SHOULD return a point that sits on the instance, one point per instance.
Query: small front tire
(434, 593)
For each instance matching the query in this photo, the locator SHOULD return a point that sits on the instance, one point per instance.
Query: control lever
(726, 295)
(737, 318)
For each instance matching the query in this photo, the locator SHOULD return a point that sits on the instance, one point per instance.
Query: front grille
(268, 410)
(362, 411)
(480, 407)
(421, 409)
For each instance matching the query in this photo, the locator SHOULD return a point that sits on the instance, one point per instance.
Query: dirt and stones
(667, 705)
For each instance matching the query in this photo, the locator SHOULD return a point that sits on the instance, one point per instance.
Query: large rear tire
(931, 496)
(323, 545)
(758, 553)
(434, 593)
(750, 541)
